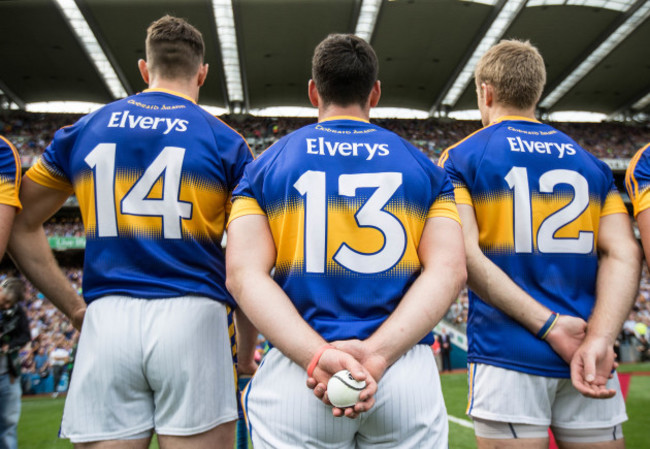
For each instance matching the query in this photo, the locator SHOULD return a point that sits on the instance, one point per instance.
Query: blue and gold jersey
(538, 199)
(9, 174)
(153, 174)
(637, 180)
(346, 202)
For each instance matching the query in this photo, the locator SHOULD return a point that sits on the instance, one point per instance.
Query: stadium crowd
(32, 132)
(47, 360)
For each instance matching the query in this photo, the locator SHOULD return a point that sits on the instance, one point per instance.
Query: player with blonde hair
(549, 246)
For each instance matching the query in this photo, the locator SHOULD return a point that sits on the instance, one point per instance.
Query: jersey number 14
(168, 165)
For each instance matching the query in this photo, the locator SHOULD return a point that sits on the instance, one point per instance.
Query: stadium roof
(597, 51)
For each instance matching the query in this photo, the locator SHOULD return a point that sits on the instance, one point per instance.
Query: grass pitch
(41, 416)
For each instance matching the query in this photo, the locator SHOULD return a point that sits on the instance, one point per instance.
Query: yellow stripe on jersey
(461, 192)
(494, 216)
(205, 224)
(614, 205)
(10, 187)
(43, 174)
(444, 207)
(470, 396)
(244, 205)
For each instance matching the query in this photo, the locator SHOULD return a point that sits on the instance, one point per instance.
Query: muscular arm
(250, 255)
(494, 287)
(7, 214)
(31, 252)
(619, 270)
(442, 256)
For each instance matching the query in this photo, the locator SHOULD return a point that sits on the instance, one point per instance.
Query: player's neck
(498, 111)
(185, 88)
(333, 110)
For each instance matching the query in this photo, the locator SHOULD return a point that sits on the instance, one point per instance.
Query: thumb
(589, 367)
(355, 368)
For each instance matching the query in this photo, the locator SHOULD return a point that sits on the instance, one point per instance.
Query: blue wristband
(546, 328)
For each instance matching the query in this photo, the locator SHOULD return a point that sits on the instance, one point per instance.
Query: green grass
(634, 367)
(41, 416)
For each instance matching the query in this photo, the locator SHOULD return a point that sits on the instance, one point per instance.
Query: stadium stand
(32, 132)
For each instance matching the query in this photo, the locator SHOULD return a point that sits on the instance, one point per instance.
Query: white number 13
(312, 185)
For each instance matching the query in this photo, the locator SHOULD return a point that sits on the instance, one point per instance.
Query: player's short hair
(175, 49)
(344, 69)
(516, 71)
(14, 288)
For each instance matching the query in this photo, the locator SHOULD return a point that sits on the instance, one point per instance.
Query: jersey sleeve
(52, 169)
(444, 204)
(637, 180)
(247, 196)
(9, 174)
(461, 189)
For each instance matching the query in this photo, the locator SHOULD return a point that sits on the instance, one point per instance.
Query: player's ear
(375, 94)
(488, 94)
(203, 74)
(144, 70)
(313, 93)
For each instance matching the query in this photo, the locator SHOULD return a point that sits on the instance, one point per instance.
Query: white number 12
(517, 179)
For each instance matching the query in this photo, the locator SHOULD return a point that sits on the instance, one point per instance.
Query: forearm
(442, 255)
(246, 340)
(31, 252)
(497, 289)
(248, 288)
(420, 310)
(616, 288)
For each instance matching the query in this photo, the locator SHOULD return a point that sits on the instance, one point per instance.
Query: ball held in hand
(343, 390)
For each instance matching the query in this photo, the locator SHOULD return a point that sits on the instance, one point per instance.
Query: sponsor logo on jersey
(326, 147)
(124, 119)
(519, 145)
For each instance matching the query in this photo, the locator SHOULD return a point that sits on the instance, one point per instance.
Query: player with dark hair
(363, 233)
(153, 175)
(549, 245)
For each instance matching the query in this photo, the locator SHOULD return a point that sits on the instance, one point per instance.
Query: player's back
(152, 174)
(346, 202)
(538, 199)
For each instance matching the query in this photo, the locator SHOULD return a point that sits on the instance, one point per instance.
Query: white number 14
(168, 164)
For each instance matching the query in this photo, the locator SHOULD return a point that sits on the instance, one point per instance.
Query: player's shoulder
(6, 144)
(471, 145)
(640, 161)
(8, 153)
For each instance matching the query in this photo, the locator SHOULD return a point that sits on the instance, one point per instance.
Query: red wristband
(316, 358)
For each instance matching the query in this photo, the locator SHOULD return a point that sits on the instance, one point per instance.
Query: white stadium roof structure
(597, 51)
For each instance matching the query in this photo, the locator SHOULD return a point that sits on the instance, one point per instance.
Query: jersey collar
(170, 92)
(344, 117)
(514, 117)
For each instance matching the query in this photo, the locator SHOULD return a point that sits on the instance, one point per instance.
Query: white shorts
(503, 395)
(409, 411)
(163, 364)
